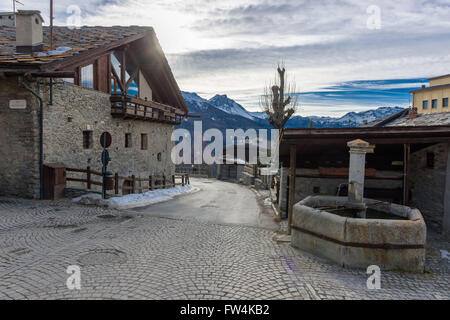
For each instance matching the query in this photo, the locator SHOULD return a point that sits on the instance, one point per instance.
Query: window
(425, 104)
(159, 156)
(144, 141)
(434, 104)
(445, 102)
(128, 142)
(87, 76)
(430, 159)
(87, 139)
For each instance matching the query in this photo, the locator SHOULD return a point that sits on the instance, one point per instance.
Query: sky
(343, 55)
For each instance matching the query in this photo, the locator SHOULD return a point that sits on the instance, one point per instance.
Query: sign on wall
(17, 104)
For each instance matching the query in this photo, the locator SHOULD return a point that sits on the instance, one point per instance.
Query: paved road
(137, 255)
(216, 202)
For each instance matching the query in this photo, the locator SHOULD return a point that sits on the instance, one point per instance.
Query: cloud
(233, 47)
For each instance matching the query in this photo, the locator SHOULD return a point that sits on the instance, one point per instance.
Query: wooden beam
(119, 82)
(133, 76)
(53, 74)
(122, 67)
(292, 167)
(406, 157)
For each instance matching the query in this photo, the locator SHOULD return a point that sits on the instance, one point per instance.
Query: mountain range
(223, 113)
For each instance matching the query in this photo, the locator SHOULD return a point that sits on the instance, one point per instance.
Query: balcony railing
(130, 107)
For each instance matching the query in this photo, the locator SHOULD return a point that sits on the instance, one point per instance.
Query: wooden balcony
(130, 107)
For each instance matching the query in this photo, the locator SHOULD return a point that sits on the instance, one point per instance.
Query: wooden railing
(89, 173)
(152, 182)
(127, 106)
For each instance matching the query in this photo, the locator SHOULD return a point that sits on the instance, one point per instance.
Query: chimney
(412, 113)
(29, 37)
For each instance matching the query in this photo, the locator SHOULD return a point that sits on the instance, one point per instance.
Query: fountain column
(357, 168)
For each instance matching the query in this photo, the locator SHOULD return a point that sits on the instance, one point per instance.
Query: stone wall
(75, 110)
(19, 142)
(305, 187)
(428, 185)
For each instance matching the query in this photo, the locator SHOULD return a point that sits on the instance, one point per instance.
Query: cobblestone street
(134, 255)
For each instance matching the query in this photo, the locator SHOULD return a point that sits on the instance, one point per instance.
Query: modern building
(59, 94)
(434, 98)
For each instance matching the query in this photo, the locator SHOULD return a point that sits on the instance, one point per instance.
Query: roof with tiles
(401, 119)
(77, 40)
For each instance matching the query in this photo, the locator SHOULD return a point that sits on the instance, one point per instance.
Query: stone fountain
(357, 232)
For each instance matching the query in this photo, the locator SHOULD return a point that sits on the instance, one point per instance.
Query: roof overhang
(316, 141)
(431, 88)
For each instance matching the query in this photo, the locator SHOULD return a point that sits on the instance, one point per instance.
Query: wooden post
(133, 183)
(164, 182)
(182, 180)
(293, 164)
(406, 156)
(116, 183)
(173, 180)
(150, 185)
(88, 174)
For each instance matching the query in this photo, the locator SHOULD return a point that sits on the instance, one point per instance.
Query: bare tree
(280, 100)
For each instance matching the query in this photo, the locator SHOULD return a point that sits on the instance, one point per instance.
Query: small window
(87, 139)
(144, 141)
(425, 104)
(434, 103)
(430, 159)
(87, 76)
(159, 156)
(445, 102)
(128, 142)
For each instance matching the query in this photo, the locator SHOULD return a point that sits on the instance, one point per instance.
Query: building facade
(433, 99)
(56, 101)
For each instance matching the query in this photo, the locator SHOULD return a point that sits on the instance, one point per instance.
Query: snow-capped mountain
(352, 119)
(259, 115)
(224, 113)
(230, 106)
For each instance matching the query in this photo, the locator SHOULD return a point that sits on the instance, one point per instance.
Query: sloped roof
(400, 119)
(423, 119)
(79, 40)
(85, 43)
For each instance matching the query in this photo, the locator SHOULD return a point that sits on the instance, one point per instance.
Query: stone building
(410, 164)
(57, 96)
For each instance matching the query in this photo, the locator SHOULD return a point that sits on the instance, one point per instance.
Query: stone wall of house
(77, 109)
(428, 184)
(19, 142)
(74, 110)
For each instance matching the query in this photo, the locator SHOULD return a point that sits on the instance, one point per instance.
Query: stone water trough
(357, 232)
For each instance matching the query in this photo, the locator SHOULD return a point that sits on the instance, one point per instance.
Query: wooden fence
(130, 184)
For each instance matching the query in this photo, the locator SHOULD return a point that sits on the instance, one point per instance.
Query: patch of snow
(134, 200)
(445, 255)
(147, 198)
(267, 202)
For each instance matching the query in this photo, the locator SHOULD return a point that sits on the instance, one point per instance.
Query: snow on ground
(134, 200)
(445, 255)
